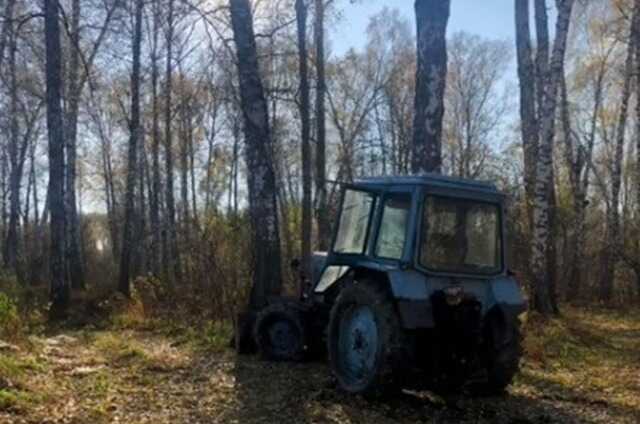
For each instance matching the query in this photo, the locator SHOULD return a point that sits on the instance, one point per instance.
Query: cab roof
(434, 180)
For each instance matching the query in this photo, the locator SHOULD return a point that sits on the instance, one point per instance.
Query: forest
(168, 169)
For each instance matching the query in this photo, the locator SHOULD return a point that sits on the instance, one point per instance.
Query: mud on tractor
(414, 291)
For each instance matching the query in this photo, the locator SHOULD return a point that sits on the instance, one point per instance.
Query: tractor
(414, 292)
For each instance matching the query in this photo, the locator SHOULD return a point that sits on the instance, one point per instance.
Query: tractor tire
(503, 362)
(366, 344)
(280, 333)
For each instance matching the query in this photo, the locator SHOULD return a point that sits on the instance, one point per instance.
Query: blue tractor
(414, 291)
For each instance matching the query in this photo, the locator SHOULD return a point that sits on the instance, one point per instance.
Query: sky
(487, 18)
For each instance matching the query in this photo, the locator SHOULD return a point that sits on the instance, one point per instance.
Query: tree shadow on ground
(305, 393)
(588, 406)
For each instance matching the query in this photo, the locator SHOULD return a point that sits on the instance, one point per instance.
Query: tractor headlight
(453, 295)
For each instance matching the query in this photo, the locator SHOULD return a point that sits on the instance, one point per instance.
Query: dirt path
(142, 377)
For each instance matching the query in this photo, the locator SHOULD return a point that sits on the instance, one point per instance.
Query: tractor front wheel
(279, 333)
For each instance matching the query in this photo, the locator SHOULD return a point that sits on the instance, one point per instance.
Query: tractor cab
(439, 227)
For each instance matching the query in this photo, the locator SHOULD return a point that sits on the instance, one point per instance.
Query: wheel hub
(283, 336)
(358, 342)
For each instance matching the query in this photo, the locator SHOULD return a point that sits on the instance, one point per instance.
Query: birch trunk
(301, 18)
(542, 296)
(74, 88)
(261, 176)
(636, 36)
(155, 198)
(128, 237)
(11, 247)
(6, 27)
(528, 119)
(321, 212)
(432, 17)
(60, 290)
(172, 258)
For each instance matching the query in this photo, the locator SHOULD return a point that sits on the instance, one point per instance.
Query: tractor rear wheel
(280, 333)
(366, 343)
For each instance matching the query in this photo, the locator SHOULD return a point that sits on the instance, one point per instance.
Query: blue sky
(488, 18)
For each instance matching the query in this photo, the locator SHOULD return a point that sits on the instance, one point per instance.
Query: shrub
(9, 318)
(149, 291)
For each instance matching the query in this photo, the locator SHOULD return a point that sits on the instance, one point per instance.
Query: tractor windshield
(461, 236)
(354, 222)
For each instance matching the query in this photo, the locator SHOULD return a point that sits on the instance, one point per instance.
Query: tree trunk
(301, 17)
(5, 191)
(432, 17)
(132, 159)
(6, 28)
(552, 258)
(542, 75)
(321, 211)
(636, 37)
(11, 248)
(75, 267)
(528, 119)
(542, 50)
(542, 207)
(141, 266)
(613, 243)
(192, 177)
(60, 291)
(172, 260)
(155, 199)
(578, 159)
(261, 177)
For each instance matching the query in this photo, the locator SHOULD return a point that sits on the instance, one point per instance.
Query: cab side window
(393, 226)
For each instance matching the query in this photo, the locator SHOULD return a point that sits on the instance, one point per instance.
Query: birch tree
(637, 168)
(263, 212)
(528, 118)
(60, 290)
(171, 257)
(10, 251)
(432, 17)
(320, 119)
(541, 272)
(301, 19)
(155, 198)
(7, 26)
(135, 129)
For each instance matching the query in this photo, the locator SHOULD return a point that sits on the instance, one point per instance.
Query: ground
(582, 367)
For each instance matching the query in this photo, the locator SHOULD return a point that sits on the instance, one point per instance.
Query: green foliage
(149, 291)
(10, 325)
(12, 367)
(211, 335)
(118, 348)
(10, 399)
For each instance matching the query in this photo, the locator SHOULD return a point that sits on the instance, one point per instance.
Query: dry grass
(582, 367)
(588, 354)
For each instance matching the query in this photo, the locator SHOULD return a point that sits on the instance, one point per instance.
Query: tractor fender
(334, 277)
